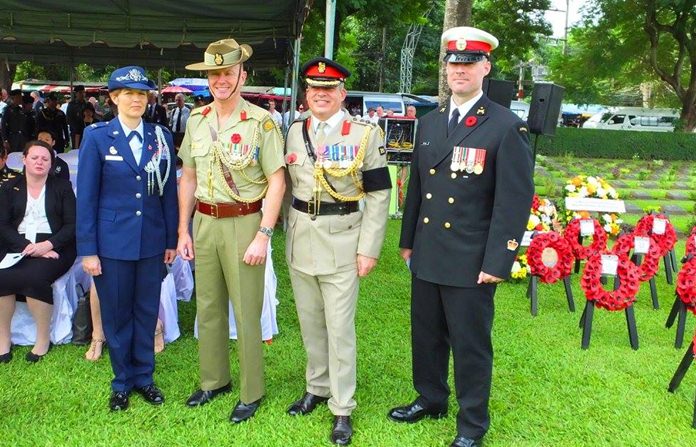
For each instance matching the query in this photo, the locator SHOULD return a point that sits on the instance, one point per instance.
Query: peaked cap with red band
(465, 44)
(323, 72)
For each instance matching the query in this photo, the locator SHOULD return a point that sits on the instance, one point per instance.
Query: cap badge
(461, 44)
(322, 67)
(512, 244)
(218, 59)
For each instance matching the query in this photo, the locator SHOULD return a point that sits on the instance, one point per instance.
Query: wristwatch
(266, 230)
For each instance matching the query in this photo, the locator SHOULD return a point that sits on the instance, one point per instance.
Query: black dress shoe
(33, 358)
(118, 401)
(306, 404)
(151, 394)
(342, 430)
(414, 412)
(463, 441)
(200, 397)
(243, 411)
(5, 358)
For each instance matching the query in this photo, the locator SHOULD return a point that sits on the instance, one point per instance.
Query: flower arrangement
(542, 216)
(618, 299)
(520, 268)
(593, 187)
(691, 243)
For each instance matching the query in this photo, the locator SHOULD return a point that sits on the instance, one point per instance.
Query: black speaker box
(499, 90)
(545, 108)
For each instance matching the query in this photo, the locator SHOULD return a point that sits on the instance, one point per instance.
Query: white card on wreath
(610, 265)
(586, 227)
(659, 226)
(526, 239)
(641, 245)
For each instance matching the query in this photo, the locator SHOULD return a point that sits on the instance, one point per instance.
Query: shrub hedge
(622, 144)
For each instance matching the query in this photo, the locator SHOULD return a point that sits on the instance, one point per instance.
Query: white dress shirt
(136, 145)
(35, 220)
(464, 108)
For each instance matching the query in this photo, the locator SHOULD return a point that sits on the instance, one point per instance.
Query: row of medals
(241, 152)
(336, 156)
(468, 159)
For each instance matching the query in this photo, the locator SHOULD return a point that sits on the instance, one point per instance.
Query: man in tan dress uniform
(334, 161)
(233, 159)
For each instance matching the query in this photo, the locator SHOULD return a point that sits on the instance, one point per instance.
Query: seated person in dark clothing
(39, 222)
(6, 174)
(60, 168)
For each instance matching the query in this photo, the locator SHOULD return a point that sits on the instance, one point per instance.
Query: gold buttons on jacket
(428, 196)
(447, 225)
(451, 200)
(454, 175)
(426, 220)
(432, 171)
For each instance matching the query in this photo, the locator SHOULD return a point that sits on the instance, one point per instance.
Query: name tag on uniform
(113, 158)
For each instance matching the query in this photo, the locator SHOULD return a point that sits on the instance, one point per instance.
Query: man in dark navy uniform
(6, 173)
(16, 124)
(53, 119)
(466, 209)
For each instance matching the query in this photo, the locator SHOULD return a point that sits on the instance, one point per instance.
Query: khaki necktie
(320, 134)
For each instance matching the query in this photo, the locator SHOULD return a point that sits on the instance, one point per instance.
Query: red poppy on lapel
(205, 111)
(291, 157)
(236, 138)
(470, 121)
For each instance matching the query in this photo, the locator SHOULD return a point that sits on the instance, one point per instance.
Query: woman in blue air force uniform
(127, 218)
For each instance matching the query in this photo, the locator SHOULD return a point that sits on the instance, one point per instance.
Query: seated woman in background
(38, 220)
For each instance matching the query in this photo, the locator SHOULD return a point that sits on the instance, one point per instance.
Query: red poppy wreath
(686, 284)
(651, 260)
(666, 240)
(613, 300)
(561, 268)
(599, 239)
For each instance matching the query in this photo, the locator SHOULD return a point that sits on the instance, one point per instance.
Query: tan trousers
(221, 273)
(326, 311)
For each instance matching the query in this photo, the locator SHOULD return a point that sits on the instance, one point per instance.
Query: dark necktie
(453, 122)
(152, 111)
(134, 134)
(178, 121)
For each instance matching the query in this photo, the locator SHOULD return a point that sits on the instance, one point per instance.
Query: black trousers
(459, 319)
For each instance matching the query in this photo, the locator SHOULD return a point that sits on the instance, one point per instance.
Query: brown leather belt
(325, 208)
(220, 210)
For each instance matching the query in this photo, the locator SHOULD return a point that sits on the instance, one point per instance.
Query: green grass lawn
(546, 390)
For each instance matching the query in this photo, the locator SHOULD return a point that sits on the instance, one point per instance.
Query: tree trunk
(7, 76)
(457, 13)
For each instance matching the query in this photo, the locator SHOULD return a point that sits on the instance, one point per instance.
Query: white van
(634, 118)
(520, 108)
(358, 102)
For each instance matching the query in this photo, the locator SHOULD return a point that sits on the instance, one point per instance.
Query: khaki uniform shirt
(331, 243)
(248, 125)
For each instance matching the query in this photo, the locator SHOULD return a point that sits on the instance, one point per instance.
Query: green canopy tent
(152, 33)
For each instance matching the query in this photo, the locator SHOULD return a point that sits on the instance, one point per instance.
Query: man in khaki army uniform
(233, 158)
(334, 161)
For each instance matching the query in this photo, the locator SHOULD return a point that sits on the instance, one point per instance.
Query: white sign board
(600, 205)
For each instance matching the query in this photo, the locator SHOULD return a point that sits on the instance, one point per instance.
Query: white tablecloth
(65, 297)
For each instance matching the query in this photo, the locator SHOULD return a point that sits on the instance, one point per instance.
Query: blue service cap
(132, 77)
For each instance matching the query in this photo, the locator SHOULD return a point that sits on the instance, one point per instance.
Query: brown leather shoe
(342, 430)
(306, 404)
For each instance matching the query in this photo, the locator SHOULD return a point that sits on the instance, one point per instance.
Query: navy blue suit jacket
(460, 226)
(116, 217)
